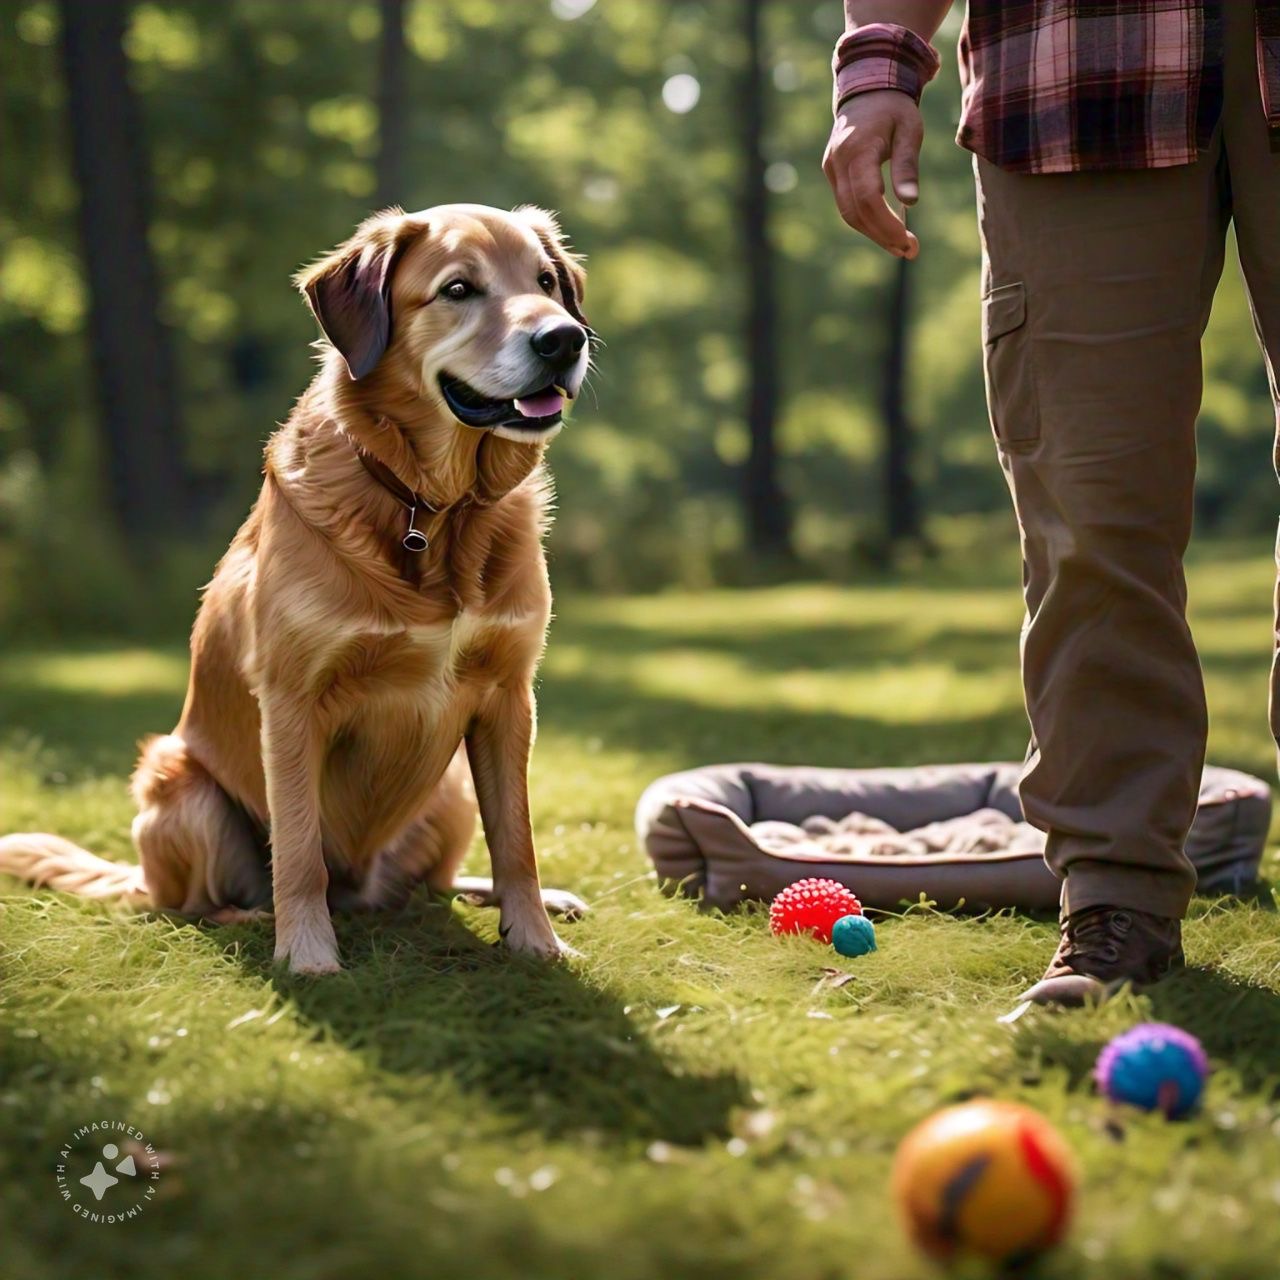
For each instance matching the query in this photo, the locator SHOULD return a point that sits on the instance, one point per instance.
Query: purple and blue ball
(1156, 1067)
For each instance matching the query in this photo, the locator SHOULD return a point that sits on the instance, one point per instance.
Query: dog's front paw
(529, 933)
(309, 945)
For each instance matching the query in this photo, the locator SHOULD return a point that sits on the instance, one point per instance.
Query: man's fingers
(904, 164)
(863, 207)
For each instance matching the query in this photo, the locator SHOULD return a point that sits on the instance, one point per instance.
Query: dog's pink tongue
(543, 405)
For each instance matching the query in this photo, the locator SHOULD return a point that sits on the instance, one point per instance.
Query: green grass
(690, 1098)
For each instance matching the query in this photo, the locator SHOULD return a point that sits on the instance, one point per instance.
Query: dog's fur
(344, 693)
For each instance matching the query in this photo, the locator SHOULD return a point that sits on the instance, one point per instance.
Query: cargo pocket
(1010, 376)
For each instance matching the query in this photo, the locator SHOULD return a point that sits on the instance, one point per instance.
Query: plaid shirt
(1056, 86)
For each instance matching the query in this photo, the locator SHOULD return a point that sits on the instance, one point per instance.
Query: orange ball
(988, 1179)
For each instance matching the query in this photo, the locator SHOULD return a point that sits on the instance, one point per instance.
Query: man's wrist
(881, 55)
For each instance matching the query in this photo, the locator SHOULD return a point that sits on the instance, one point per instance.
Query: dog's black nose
(559, 344)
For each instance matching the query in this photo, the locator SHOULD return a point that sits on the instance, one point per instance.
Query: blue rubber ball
(853, 936)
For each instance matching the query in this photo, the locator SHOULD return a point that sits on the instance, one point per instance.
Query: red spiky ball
(812, 906)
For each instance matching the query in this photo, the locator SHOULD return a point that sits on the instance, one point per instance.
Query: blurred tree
(901, 505)
(768, 517)
(132, 361)
(392, 104)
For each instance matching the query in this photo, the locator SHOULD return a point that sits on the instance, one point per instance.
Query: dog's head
(477, 310)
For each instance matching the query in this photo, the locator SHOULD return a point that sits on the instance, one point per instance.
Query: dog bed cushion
(955, 833)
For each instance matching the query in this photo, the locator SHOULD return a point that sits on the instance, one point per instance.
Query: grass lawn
(692, 1097)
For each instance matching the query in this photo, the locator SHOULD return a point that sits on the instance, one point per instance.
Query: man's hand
(870, 129)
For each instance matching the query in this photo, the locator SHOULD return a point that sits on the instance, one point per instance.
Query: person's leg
(1255, 180)
(1097, 288)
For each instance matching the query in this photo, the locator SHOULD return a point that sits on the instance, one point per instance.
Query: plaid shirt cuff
(882, 55)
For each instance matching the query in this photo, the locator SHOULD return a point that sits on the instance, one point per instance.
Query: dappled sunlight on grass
(104, 673)
(794, 609)
(926, 691)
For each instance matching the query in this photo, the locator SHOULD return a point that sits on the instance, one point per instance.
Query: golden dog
(366, 649)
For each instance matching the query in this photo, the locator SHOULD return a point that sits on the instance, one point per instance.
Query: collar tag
(414, 539)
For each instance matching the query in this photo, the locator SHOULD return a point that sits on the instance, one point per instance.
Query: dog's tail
(54, 863)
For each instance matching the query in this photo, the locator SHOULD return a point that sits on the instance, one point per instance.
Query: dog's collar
(408, 497)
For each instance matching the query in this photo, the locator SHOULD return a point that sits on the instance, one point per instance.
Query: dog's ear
(570, 275)
(349, 290)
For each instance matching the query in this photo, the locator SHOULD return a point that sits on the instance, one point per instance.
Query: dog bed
(955, 833)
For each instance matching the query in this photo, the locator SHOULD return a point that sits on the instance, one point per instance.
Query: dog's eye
(546, 281)
(459, 290)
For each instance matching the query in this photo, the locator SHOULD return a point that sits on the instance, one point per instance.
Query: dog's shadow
(422, 995)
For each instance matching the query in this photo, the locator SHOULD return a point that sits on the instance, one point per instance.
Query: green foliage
(261, 126)
(692, 1097)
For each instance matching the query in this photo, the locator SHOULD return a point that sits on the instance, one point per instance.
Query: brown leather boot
(1103, 948)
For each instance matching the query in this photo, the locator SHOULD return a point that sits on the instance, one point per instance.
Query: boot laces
(1095, 935)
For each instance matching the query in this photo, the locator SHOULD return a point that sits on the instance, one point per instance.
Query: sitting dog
(362, 662)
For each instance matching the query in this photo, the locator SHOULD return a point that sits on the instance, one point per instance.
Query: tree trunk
(132, 360)
(767, 515)
(901, 508)
(392, 109)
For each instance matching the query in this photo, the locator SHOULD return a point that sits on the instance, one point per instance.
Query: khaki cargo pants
(1097, 288)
